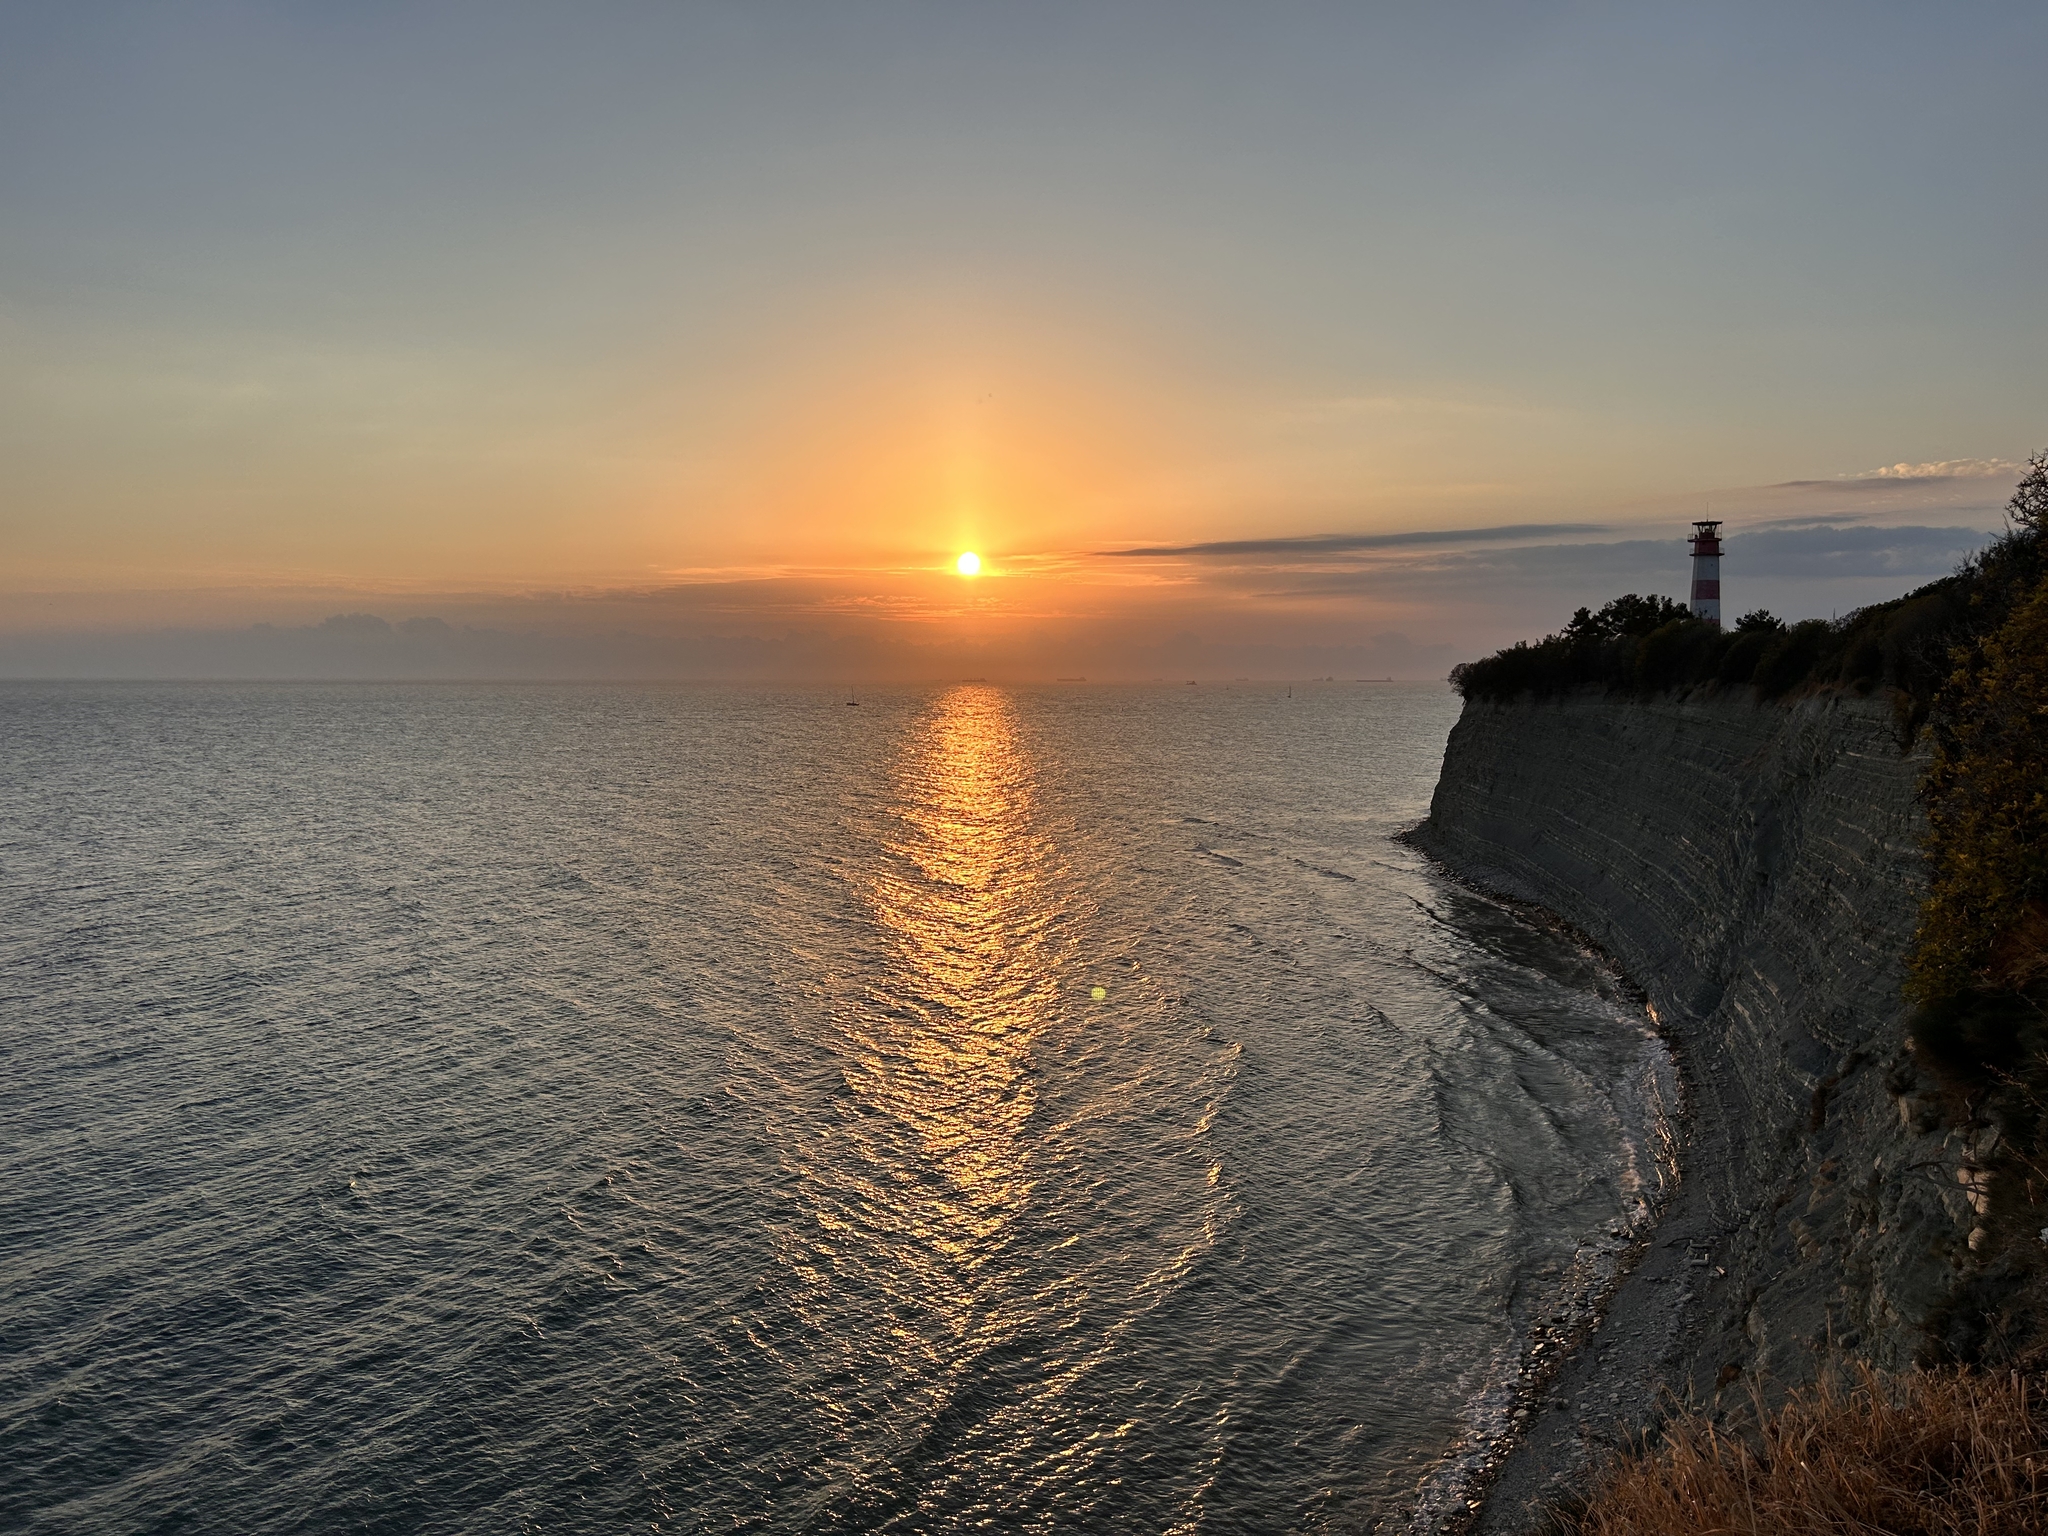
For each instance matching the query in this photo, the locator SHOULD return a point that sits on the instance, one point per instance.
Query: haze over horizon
(699, 342)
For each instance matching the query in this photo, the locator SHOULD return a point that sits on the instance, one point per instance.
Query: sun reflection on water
(947, 1052)
(996, 1185)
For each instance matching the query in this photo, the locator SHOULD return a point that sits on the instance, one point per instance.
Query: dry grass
(1936, 1452)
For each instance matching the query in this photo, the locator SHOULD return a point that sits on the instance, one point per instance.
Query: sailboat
(852, 702)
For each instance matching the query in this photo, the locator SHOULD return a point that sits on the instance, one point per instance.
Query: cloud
(1947, 469)
(1833, 517)
(1891, 476)
(1311, 545)
(365, 647)
(1827, 551)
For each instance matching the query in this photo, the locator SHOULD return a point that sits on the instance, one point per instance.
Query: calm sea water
(481, 1109)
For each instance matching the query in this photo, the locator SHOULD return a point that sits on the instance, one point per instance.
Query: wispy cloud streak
(1890, 477)
(1346, 543)
(1780, 555)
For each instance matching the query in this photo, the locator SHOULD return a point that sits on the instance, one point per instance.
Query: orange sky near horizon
(886, 446)
(748, 322)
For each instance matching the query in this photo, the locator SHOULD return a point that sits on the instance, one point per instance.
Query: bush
(1675, 653)
(1789, 657)
(1935, 1453)
(1863, 665)
(1738, 662)
(1974, 1039)
(1918, 632)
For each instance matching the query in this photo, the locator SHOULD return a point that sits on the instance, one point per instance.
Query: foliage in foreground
(1942, 1453)
(1985, 925)
(1978, 967)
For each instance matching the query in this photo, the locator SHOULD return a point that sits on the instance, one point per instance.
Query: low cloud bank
(1487, 597)
(1807, 553)
(1308, 546)
(366, 646)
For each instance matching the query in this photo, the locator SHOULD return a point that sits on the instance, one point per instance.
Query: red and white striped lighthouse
(1706, 571)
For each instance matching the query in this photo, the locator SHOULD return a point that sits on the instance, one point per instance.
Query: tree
(1629, 615)
(2028, 509)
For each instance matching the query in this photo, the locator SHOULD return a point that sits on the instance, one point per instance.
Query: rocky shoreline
(1755, 869)
(1567, 1405)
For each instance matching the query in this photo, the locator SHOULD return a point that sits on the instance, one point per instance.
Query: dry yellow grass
(1930, 1452)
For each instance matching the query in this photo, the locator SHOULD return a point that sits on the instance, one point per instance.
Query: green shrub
(1863, 665)
(1974, 1039)
(1789, 657)
(1669, 654)
(1738, 662)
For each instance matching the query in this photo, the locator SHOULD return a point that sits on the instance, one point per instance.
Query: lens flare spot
(1098, 993)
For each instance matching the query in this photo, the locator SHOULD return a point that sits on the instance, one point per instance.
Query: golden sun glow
(969, 564)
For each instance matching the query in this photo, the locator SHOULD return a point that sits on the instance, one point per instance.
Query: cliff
(1756, 868)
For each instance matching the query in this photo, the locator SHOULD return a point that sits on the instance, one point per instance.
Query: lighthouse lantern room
(1706, 571)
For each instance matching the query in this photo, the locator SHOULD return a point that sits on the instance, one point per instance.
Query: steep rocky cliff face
(1756, 868)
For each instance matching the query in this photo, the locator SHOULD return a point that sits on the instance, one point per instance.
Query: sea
(464, 1108)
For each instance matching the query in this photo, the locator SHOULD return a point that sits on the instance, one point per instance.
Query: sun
(969, 564)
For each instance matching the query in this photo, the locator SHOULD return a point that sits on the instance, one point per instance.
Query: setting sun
(969, 564)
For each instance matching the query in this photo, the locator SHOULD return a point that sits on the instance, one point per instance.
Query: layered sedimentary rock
(1756, 868)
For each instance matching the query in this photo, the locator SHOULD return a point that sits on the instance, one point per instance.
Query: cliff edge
(1756, 868)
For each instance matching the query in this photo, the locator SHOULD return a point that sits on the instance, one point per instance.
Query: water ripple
(480, 1109)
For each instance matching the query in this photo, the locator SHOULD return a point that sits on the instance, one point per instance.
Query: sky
(1276, 340)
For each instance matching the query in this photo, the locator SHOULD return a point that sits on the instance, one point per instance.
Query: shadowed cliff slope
(1756, 867)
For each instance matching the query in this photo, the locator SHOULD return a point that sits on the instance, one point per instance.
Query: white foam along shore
(1514, 1390)
(1756, 869)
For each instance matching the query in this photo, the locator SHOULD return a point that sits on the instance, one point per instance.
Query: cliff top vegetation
(1649, 644)
(1914, 644)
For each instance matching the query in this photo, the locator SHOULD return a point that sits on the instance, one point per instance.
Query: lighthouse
(1706, 571)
